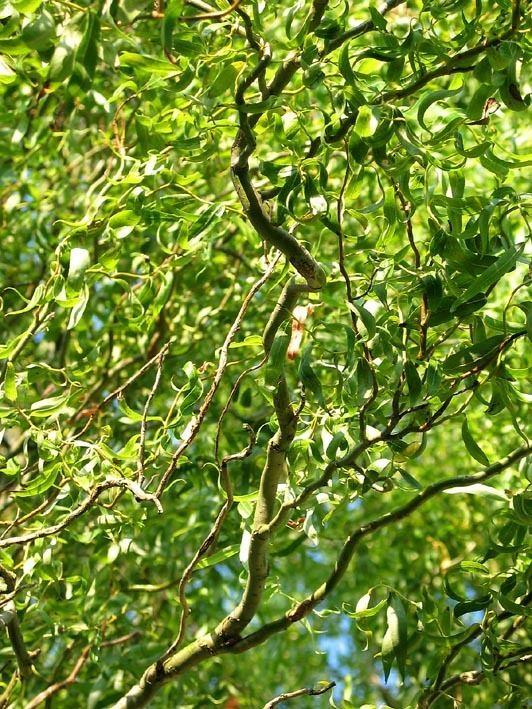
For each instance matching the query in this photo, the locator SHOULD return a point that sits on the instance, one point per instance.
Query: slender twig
(340, 234)
(8, 691)
(229, 401)
(214, 15)
(119, 390)
(305, 691)
(58, 686)
(78, 511)
(122, 639)
(473, 678)
(193, 429)
(144, 422)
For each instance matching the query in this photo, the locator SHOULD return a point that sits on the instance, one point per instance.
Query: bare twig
(122, 639)
(119, 390)
(8, 691)
(229, 401)
(305, 691)
(339, 217)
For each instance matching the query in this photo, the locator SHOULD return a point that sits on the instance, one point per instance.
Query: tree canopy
(265, 322)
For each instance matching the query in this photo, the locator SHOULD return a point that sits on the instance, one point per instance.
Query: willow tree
(263, 358)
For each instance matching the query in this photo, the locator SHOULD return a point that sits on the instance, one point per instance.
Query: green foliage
(183, 194)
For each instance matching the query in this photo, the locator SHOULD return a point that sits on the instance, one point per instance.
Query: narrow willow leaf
(79, 262)
(367, 319)
(474, 567)
(222, 555)
(491, 275)
(409, 479)
(366, 123)
(78, 309)
(364, 610)
(474, 450)
(394, 642)
(431, 98)
(249, 341)
(35, 300)
(413, 381)
(277, 358)
(148, 64)
(470, 606)
(522, 507)
(10, 384)
(51, 405)
(344, 64)
(42, 482)
(309, 378)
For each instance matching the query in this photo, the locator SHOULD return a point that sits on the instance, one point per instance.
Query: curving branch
(303, 608)
(174, 661)
(272, 474)
(242, 149)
